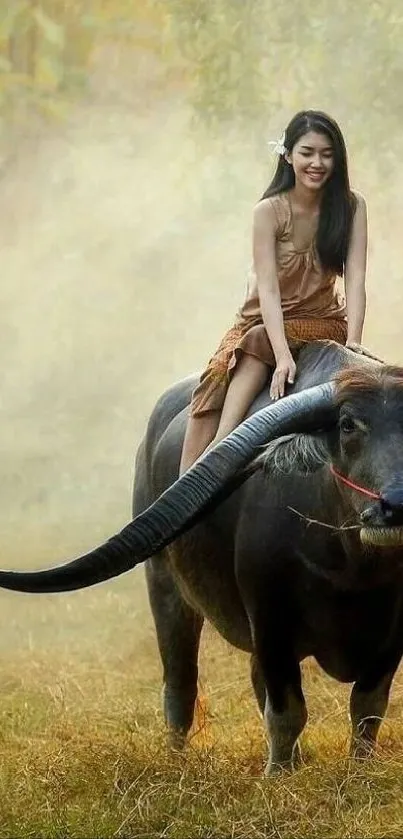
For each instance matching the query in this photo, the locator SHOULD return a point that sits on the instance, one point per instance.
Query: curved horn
(177, 508)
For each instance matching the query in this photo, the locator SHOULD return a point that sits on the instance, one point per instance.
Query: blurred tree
(244, 64)
(250, 61)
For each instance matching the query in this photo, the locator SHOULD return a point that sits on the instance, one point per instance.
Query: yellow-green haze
(134, 146)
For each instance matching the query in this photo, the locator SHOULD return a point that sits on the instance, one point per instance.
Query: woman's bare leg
(249, 379)
(204, 432)
(200, 431)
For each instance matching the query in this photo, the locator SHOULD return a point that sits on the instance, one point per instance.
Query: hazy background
(134, 139)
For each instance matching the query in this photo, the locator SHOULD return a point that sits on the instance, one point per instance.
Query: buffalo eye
(348, 425)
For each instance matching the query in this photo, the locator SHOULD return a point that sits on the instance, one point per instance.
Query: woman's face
(312, 160)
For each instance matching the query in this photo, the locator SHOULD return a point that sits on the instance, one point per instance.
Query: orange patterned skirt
(249, 336)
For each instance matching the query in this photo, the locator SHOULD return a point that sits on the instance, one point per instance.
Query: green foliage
(46, 47)
(220, 43)
(262, 60)
(247, 64)
(31, 66)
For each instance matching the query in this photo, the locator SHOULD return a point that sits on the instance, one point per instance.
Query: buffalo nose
(391, 504)
(388, 510)
(367, 516)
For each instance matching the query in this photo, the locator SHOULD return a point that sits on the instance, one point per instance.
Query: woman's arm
(264, 259)
(354, 275)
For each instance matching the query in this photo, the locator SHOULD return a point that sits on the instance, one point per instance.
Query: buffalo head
(361, 450)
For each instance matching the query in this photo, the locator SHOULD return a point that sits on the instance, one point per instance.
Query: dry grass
(83, 749)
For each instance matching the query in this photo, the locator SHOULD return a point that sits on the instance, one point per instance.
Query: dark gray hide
(270, 584)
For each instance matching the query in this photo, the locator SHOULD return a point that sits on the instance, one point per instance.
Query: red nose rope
(352, 485)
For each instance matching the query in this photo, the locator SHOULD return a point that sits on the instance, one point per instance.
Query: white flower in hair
(278, 145)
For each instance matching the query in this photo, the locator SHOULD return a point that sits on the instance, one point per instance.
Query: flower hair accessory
(278, 145)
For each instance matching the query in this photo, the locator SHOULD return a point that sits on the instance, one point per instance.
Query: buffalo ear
(294, 454)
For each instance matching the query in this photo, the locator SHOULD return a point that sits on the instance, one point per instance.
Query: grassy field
(83, 749)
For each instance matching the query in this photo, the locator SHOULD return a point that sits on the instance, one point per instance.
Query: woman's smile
(315, 177)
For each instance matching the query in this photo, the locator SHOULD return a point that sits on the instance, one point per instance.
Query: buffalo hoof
(274, 767)
(176, 740)
(361, 750)
(297, 757)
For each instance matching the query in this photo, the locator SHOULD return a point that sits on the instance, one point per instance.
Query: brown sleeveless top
(306, 289)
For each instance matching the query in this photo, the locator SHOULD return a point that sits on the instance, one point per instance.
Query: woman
(308, 229)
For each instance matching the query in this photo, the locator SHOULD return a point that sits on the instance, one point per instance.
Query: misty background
(133, 140)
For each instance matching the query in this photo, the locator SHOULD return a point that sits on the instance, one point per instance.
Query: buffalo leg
(259, 687)
(178, 634)
(368, 703)
(285, 718)
(285, 711)
(258, 683)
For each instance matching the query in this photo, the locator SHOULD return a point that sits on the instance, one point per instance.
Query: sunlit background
(133, 140)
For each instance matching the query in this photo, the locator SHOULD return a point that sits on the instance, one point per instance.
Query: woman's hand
(360, 350)
(284, 373)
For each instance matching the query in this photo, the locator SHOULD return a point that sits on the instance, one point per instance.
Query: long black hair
(338, 202)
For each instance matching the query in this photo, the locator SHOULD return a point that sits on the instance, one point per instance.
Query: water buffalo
(287, 537)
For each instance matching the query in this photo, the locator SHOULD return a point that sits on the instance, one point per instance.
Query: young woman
(308, 229)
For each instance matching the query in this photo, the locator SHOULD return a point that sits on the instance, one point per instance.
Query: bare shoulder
(361, 203)
(265, 216)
